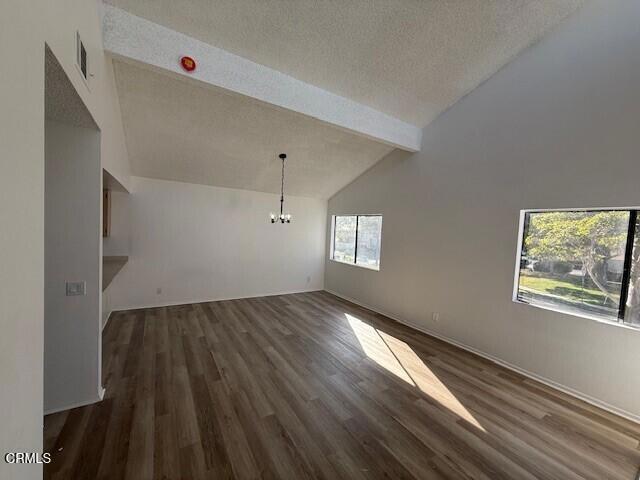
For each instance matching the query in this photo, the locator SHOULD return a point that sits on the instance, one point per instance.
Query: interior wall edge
(106, 319)
(82, 403)
(503, 363)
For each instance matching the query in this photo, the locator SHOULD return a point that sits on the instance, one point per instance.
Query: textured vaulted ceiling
(181, 130)
(408, 58)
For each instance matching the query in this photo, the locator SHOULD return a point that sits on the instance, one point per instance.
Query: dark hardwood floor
(310, 386)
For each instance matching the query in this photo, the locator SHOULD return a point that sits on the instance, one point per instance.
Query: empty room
(304, 239)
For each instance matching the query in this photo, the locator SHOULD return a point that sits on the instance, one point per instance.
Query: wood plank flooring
(310, 386)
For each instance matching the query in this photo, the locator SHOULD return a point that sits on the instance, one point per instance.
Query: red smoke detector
(188, 63)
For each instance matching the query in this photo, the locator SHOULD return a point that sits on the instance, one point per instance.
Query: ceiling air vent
(81, 58)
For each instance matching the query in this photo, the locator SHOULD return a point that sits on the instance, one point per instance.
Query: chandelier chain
(282, 189)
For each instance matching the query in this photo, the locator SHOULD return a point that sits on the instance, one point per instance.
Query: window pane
(632, 310)
(369, 230)
(573, 261)
(344, 243)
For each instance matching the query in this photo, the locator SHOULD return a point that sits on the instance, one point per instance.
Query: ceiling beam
(129, 37)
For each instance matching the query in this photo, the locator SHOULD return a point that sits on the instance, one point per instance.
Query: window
(582, 262)
(356, 240)
(344, 239)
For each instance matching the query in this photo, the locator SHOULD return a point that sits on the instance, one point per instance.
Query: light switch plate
(76, 288)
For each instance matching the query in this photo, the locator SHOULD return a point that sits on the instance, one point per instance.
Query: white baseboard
(568, 390)
(189, 302)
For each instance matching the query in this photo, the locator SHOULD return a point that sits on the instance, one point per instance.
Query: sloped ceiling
(184, 131)
(407, 58)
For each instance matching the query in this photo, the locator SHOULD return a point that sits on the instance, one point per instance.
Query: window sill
(635, 328)
(373, 269)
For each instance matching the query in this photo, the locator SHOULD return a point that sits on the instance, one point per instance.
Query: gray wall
(557, 127)
(72, 253)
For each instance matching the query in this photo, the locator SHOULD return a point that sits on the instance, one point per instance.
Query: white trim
(355, 265)
(577, 209)
(586, 316)
(332, 237)
(107, 320)
(132, 38)
(550, 383)
(74, 405)
(221, 299)
(516, 278)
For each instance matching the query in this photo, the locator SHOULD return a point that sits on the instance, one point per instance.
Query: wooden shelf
(111, 265)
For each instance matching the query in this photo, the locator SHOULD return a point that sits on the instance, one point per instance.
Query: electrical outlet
(308, 280)
(435, 316)
(158, 291)
(76, 288)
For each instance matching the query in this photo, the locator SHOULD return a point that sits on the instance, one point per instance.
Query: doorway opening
(73, 186)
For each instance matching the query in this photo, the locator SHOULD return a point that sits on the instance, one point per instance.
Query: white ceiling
(183, 130)
(408, 58)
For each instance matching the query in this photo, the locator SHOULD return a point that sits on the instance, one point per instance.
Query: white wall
(61, 20)
(118, 243)
(199, 243)
(72, 252)
(557, 127)
(29, 25)
(22, 233)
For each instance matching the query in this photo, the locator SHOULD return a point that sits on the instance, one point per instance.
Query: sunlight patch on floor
(376, 349)
(399, 358)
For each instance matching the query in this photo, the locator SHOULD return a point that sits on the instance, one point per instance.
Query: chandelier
(282, 218)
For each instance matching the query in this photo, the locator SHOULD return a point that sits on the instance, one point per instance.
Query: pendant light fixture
(282, 218)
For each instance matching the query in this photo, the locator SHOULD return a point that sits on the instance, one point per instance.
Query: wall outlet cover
(76, 288)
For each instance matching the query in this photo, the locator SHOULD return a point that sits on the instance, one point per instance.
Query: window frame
(355, 251)
(634, 213)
